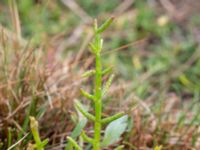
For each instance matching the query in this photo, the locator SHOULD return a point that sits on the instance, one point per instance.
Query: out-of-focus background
(153, 47)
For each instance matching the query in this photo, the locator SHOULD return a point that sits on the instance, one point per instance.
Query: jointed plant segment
(99, 92)
(39, 144)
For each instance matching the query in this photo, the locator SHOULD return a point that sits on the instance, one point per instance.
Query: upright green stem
(98, 103)
(39, 144)
(96, 47)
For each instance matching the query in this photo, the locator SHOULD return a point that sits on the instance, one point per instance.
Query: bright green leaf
(114, 130)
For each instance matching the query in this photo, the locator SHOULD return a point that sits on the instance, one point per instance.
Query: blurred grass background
(153, 46)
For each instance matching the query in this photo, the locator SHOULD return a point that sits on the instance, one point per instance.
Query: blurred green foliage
(169, 46)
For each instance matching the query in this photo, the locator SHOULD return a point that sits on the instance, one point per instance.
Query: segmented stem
(98, 103)
(96, 47)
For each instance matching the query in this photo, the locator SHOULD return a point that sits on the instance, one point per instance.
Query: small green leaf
(74, 143)
(107, 85)
(88, 73)
(79, 127)
(105, 25)
(86, 138)
(77, 131)
(93, 48)
(43, 143)
(112, 118)
(114, 130)
(87, 95)
(80, 107)
(119, 147)
(107, 70)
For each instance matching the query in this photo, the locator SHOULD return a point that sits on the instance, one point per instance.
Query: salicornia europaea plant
(100, 90)
(39, 144)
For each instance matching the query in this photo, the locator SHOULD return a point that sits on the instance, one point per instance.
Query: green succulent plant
(118, 122)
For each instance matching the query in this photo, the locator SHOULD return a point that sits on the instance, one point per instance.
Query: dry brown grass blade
(77, 10)
(71, 40)
(10, 36)
(18, 142)
(123, 7)
(15, 18)
(83, 47)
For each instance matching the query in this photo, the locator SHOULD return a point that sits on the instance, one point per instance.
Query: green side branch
(73, 142)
